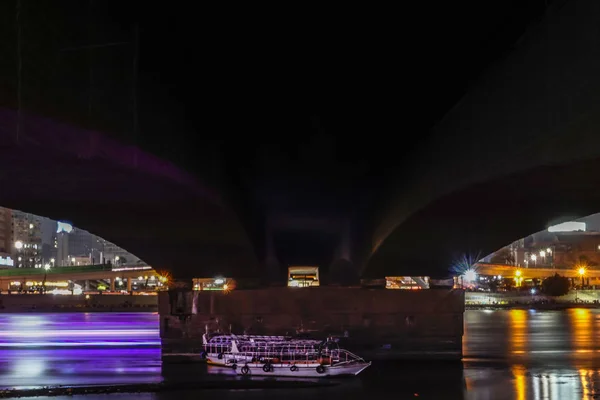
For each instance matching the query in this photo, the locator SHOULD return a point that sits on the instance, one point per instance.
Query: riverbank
(237, 384)
(531, 306)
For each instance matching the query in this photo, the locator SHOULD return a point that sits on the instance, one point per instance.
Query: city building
(27, 240)
(6, 260)
(31, 241)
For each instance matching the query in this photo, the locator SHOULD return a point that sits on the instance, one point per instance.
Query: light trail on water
(79, 349)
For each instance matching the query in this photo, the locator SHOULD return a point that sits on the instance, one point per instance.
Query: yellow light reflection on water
(585, 387)
(582, 332)
(517, 334)
(520, 384)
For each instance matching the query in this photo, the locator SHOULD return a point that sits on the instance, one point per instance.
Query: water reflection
(78, 348)
(512, 354)
(552, 355)
(518, 336)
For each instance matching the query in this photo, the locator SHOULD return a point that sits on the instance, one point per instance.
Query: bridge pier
(376, 324)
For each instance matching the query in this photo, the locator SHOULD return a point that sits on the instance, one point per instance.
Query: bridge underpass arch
(477, 221)
(527, 128)
(133, 199)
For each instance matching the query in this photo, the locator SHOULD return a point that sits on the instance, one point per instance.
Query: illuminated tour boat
(281, 356)
(230, 350)
(288, 360)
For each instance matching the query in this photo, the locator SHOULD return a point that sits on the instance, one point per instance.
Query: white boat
(288, 361)
(230, 350)
(303, 370)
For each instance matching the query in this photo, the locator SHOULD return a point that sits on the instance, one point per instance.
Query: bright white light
(18, 244)
(549, 250)
(64, 227)
(30, 226)
(219, 281)
(533, 257)
(47, 267)
(52, 260)
(532, 291)
(28, 367)
(542, 254)
(73, 259)
(470, 275)
(499, 276)
(7, 261)
(568, 227)
(117, 258)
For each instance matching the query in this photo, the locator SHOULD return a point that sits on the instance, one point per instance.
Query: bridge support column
(129, 284)
(272, 264)
(112, 284)
(343, 271)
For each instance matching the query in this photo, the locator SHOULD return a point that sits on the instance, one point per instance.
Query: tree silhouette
(556, 285)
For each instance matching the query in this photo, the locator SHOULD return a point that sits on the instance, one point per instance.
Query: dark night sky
(294, 107)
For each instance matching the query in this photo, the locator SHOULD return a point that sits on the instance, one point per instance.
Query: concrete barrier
(373, 322)
(15, 303)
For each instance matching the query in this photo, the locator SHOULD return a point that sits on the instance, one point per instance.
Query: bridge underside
(519, 152)
(475, 222)
(146, 207)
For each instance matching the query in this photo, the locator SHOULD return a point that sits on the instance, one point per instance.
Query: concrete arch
(140, 202)
(537, 110)
(481, 219)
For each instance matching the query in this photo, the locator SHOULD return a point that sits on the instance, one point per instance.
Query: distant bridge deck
(79, 273)
(509, 271)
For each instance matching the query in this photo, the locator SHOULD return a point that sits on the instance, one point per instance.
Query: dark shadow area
(484, 217)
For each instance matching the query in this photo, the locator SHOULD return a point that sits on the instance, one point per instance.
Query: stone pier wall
(15, 303)
(374, 322)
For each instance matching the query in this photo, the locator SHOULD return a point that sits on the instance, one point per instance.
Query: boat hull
(302, 371)
(227, 360)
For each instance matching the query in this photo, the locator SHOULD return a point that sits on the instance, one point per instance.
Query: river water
(509, 354)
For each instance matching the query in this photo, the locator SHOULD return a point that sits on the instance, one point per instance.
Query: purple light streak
(79, 349)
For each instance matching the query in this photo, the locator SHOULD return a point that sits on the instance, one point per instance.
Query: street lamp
(47, 267)
(518, 277)
(533, 258)
(18, 245)
(581, 272)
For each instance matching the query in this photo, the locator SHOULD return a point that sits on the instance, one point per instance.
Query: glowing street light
(581, 272)
(518, 277)
(47, 267)
(549, 250)
(542, 254)
(18, 245)
(533, 257)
